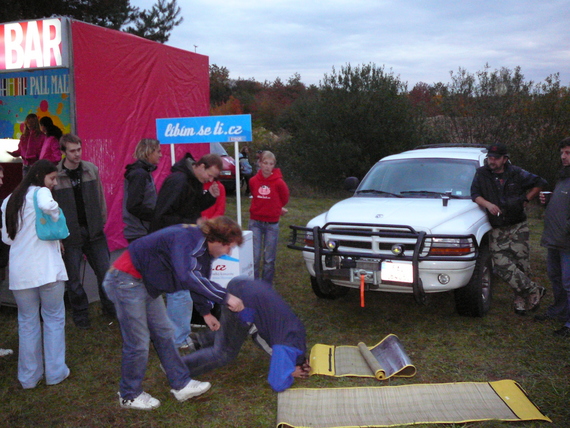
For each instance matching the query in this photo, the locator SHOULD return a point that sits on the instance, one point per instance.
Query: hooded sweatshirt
(181, 198)
(269, 196)
(139, 199)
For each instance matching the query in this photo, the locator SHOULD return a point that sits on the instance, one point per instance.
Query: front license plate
(397, 272)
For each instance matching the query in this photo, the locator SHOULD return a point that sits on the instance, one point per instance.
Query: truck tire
(328, 290)
(474, 300)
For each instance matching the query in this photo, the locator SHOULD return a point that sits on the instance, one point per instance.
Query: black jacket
(510, 197)
(556, 233)
(139, 199)
(181, 198)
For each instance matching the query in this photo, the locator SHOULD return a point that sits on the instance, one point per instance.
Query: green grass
(443, 346)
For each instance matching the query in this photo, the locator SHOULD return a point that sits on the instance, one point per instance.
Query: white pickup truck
(410, 227)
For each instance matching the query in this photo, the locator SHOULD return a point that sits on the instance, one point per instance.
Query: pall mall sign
(34, 44)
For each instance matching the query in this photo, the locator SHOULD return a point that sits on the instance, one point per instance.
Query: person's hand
(302, 371)
(234, 303)
(493, 209)
(284, 210)
(214, 189)
(212, 322)
(11, 153)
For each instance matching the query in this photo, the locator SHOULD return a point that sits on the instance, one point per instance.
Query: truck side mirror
(351, 183)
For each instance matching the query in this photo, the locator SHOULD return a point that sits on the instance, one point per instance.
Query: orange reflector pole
(361, 290)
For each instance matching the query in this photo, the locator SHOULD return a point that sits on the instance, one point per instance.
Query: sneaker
(562, 332)
(533, 298)
(65, 377)
(5, 352)
(143, 402)
(193, 389)
(519, 305)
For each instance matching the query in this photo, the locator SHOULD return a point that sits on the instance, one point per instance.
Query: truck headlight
(451, 247)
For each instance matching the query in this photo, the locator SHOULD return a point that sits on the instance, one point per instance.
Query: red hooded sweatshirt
(269, 196)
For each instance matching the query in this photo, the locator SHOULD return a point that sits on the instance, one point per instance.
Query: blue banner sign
(206, 129)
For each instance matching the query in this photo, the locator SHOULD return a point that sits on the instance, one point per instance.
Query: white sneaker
(143, 402)
(5, 352)
(193, 389)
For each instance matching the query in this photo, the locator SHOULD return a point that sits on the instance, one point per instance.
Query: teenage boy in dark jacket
(182, 199)
(79, 193)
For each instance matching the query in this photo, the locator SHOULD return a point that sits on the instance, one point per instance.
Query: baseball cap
(497, 150)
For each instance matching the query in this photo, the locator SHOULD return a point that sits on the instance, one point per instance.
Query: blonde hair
(267, 155)
(145, 148)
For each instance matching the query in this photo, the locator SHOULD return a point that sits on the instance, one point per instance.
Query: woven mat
(402, 405)
(382, 361)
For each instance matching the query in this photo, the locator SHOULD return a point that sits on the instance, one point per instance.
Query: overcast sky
(418, 40)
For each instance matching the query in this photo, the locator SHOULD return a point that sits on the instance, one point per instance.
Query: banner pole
(238, 187)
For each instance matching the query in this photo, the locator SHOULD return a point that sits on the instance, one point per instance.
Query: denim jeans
(220, 347)
(97, 253)
(143, 319)
(558, 265)
(49, 300)
(265, 238)
(179, 307)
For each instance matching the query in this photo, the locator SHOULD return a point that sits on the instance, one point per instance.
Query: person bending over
(273, 326)
(175, 258)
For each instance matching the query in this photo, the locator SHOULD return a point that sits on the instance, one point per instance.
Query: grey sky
(417, 40)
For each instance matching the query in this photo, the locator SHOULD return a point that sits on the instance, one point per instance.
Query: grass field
(443, 346)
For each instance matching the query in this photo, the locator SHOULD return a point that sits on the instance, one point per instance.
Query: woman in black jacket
(140, 194)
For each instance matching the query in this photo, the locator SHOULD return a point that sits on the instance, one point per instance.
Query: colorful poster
(43, 92)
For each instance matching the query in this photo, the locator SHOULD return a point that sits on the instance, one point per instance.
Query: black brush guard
(355, 229)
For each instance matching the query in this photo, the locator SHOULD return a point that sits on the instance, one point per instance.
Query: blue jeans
(218, 348)
(143, 319)
(179, 307)
(558, 265)
(49, 300)
(265, 239)
(97, 253)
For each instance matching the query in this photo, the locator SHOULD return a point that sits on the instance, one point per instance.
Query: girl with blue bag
(37, 275)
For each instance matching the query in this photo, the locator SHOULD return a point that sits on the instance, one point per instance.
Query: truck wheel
(474, 299)
(327, 290)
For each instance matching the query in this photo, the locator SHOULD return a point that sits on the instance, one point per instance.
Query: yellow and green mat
(382, 361)
(386, 406)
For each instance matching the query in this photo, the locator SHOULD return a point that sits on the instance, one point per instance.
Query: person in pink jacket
(270, 195)
(31, 142)
(50, 149)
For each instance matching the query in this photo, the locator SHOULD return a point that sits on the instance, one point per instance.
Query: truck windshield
(419, 178)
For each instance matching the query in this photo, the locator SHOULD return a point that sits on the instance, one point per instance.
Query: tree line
(154, 24)
(359, 114)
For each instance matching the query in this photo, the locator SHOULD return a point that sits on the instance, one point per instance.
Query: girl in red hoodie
(270, 195)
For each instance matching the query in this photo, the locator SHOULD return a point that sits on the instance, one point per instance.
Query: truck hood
(422, 214)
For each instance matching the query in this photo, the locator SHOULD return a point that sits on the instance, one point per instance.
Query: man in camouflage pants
(504, 190)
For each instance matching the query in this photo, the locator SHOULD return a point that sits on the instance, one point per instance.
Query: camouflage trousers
(511, 256)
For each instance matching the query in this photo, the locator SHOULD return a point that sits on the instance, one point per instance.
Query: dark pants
(218, 348)
(97, 253)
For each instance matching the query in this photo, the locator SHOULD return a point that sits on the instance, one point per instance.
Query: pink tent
(122, 84)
